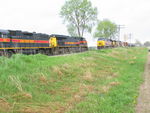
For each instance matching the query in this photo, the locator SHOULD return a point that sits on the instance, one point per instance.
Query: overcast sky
(43, 16)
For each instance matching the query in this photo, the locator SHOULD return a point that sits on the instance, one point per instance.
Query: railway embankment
(100, 81)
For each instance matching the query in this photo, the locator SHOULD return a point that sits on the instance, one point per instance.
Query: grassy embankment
(102, 81)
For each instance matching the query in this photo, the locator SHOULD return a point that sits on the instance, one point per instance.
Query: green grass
(98, 81)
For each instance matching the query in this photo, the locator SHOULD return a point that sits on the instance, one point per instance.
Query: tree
(79, 15)
(138, 43)
(106, 29)
(147, 44)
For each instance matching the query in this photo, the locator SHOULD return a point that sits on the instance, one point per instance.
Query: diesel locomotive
(108, 43)
(16, 41)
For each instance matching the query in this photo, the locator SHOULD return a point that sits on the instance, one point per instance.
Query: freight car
(15, 41)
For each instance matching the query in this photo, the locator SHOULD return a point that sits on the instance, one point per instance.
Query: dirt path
(143, 105)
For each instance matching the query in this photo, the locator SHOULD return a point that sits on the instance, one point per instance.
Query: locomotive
(107, 43)
(16, 41)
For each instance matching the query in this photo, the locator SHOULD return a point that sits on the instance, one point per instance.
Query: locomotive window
(4, 36)
(12, 33)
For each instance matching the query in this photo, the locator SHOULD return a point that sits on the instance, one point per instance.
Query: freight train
(108, 43)
(16, 41)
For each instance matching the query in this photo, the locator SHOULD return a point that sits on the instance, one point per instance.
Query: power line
(119, 27)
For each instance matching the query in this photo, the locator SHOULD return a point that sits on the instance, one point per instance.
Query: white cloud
(43, 15)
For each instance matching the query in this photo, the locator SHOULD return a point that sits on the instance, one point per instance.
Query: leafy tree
(147, 44)
(106, 29)
(71, 30)
(79, 15)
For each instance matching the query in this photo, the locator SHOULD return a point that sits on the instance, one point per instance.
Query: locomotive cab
(53, 41)
(4, 34)
(4, 39)
(101, 43)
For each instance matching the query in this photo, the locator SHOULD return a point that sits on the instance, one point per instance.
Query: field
(98, 81)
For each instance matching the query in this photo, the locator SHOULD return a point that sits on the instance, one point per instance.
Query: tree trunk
(78, 31)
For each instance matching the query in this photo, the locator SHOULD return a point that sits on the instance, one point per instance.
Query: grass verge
(102, 81)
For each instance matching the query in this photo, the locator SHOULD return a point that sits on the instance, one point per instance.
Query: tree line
(145, 44)
(80, 17)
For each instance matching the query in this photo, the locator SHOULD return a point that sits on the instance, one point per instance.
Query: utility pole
(130, 37)
(119, 27)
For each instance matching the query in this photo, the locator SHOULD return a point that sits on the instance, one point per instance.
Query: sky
(43, 16)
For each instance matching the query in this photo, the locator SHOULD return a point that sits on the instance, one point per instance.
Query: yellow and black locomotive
(106, 43)
(12, 41)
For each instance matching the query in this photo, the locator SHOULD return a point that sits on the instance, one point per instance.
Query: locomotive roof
(103, 39)
(79, 37)
(40, 34)
(59, 36)
(4, 31)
